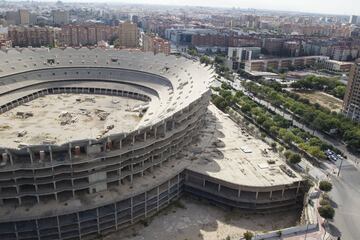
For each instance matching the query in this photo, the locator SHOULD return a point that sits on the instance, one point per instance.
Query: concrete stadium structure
(85, 188)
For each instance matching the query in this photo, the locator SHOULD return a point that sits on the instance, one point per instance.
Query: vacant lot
(194, 220)
(325, 100)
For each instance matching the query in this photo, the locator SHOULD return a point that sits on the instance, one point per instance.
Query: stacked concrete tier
(85, 187)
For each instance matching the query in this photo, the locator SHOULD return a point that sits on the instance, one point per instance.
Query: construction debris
(24, 115)
(66, 118)
(102, 115)
(22, 133)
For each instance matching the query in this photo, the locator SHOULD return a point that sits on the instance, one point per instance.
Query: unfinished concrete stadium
(94, 140)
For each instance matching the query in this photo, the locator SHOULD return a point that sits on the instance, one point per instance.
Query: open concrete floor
(60, 118)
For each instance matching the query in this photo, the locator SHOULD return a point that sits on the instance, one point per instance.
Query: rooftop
(231, 154)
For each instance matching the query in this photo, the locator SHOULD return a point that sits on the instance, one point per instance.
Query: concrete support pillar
(157, 198)
(116, 217)
(298, 188)
(98, 220)
(58, 226)
(120, 144)
(31, 156)
(203, 185)
(42, 155)
(283, 192)
(178, 185)
(144, 136)
(270, 195)
(10, 157)
(145, 204)
(173, 125)
(169, 185)
(239, 193)
(78, 222)
(155, 132)
(37, 229)
(132, 209)
(51, 156)
(219, 188)
(77, 151)
(133, 140)
(257, 195)
(70, 154)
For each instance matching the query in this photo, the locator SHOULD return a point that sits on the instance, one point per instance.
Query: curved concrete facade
(66, 190)
(86, 188)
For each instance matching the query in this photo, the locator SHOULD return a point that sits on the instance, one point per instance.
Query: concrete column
(204, 182)
(132, 209)
(298, 188)
(257, 195)
(178, 185)
(116, 217)
(239, 193)
(283, 192)
(155, 132)
(120, 143)
(78, 221)
(219, 188)
(270, 194)
(144, 136)
(173, 125)
(70, 155)
(157, 198)
(37, 229)
(50, 152)
(58, 226)
(31, 156)
(10, 157)
(168, 192)
(98, 220)
(133, 140)
(145, 204)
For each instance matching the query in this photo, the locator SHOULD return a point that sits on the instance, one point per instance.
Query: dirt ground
(191, 219)
(325, 100)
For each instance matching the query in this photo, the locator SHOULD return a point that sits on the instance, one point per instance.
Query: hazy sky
(319, 6)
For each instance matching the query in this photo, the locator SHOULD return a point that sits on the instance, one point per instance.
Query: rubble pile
(66, 118)
(24, 115)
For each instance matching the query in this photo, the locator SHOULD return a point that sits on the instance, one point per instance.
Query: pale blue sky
(319, 6)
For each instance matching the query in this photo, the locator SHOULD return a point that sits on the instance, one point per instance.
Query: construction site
(91, 147)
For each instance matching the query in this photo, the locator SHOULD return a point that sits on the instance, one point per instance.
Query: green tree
(325, 186)
(326, 212)
(295, 158)
(248, 235)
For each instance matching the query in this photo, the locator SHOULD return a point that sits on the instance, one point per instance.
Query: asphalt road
(346, 195)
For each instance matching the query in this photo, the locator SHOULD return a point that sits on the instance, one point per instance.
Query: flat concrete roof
(230, 154)
(61, 118)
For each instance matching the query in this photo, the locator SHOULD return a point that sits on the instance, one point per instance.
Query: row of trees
(275, 124)
(329, 85)
(313, 115)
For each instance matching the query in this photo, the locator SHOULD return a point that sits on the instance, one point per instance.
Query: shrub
(326, 212)
(325, 186)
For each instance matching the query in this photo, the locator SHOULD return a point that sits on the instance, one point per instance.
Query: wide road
(346, 195)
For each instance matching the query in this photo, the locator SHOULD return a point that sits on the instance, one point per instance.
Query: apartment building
(128, 35)
(155, 44)
(351, 106)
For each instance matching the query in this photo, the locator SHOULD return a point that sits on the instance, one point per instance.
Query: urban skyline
(347, 7)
